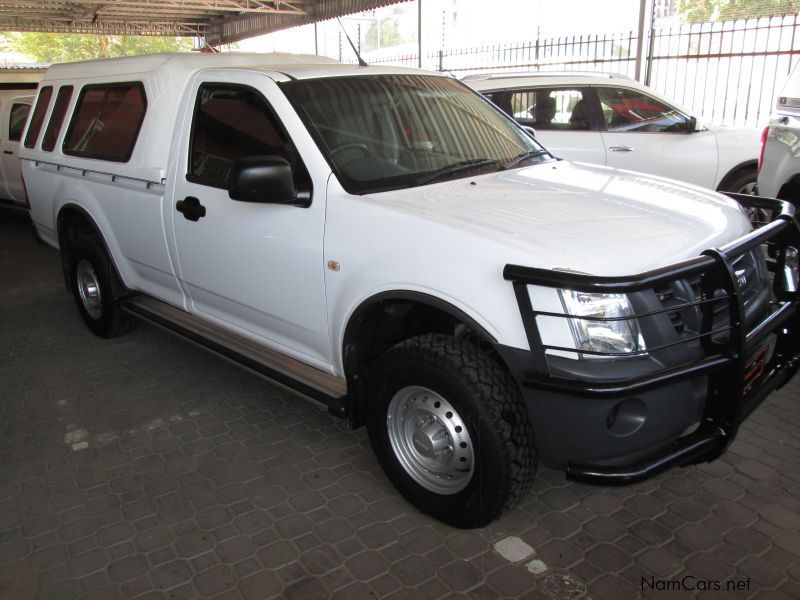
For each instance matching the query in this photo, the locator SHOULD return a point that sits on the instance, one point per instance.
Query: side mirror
(691, 125)
(530, 131)
(266, 179)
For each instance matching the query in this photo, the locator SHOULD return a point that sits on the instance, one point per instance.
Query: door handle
(7, 152)
(621, 149)
(191, 208)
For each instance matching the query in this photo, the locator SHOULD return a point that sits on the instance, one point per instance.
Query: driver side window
(230, 123)
(631, 110)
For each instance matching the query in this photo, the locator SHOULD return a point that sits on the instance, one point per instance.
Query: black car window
(232, 122)
(546, 109)
(631, 110)
(19, 114)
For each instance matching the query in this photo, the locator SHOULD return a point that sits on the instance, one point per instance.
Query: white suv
(615, 121)
(388, 243)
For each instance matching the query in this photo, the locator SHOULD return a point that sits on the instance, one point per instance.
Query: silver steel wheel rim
(430, 440)
(749, 189)
(89, 289)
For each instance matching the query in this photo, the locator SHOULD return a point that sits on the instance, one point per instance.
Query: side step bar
(286, 371)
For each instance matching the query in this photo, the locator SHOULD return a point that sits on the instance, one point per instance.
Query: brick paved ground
(144, 467)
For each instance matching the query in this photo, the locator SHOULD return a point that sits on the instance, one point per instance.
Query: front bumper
(626, 419)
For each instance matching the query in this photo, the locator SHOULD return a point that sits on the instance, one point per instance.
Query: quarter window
(631, 110)
(56, 118)
(16, 122)
(38, 116)
(106, 121)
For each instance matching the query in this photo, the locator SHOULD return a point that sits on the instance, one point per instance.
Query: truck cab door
(12, 116)
(255, 267)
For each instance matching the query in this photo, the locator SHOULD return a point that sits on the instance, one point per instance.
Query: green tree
(57, 48)
(703, 11)
(382, 33)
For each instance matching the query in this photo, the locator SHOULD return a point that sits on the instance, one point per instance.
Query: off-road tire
(487, 401)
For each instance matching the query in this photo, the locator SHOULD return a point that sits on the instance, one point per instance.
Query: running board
(284, 370)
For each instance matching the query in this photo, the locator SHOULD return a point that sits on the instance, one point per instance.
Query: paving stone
(413, 570)
(320, 560)
(367, 565)
(560, 553)
(215, 580)
(128, 568)
(277, 554)
(88, 562)
(194, 544)
(747, 540)
(236, 549)
(659, 562)
(252, 522)
(262, 585)
(605, 528)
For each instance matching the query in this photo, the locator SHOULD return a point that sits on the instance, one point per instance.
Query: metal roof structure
(218, 21)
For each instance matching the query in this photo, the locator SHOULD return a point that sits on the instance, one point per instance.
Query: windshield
(384, 132)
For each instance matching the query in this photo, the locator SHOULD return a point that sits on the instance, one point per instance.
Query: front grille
(751, 273)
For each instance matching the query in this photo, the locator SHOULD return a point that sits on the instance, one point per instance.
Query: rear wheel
(450, 430)
(91, 275)
(742, 182)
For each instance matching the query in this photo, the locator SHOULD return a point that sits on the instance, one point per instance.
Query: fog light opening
(626, 417)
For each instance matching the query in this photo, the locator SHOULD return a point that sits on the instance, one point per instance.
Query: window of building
(106, 121)
(56, 118)
(38, 116)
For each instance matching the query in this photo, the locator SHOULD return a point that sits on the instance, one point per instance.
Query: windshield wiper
(461, 165)
(524, 156)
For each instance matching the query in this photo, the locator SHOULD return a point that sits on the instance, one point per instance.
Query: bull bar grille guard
(729, 399)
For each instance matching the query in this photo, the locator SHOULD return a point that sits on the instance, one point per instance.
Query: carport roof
(218, 21)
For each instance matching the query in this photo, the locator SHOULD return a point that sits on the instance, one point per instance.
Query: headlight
(617, 337)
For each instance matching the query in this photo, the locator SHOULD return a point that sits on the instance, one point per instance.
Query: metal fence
(729, 72)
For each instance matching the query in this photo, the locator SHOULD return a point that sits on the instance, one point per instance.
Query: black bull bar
(737, 384)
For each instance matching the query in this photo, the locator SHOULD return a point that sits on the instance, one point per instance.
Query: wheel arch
(734, 172)
(73, 222)
(387, 318)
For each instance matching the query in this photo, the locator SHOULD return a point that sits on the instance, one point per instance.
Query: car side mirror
(691, 125)
(530, 131)
(265, 179)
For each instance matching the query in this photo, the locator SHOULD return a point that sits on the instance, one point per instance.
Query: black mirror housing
(265, 179)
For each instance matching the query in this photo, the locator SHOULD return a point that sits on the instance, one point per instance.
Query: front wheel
(450, 430)
(91, 273)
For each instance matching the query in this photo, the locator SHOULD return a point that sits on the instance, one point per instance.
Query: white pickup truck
(387, 242)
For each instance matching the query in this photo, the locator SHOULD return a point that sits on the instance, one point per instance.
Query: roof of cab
(294, 66)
